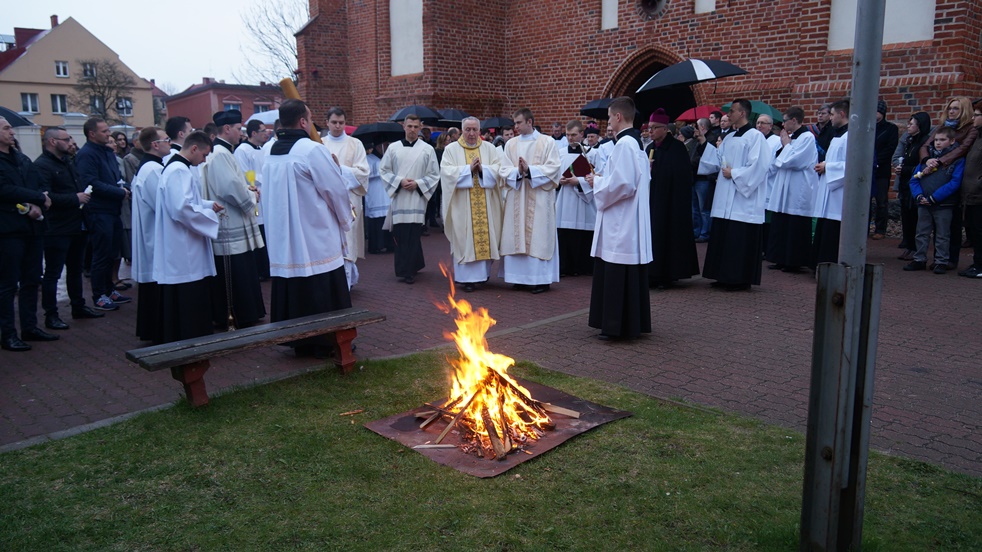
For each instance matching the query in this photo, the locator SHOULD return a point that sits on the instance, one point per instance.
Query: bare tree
(104, 89)
(271, 49)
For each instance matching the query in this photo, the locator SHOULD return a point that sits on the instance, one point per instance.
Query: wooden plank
(169, 355)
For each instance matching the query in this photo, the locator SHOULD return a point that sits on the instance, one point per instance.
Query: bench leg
(192, 376)
(345, 359)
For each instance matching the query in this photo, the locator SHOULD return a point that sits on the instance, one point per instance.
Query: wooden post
(192, 376)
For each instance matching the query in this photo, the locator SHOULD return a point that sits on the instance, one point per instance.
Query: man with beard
(673, 247)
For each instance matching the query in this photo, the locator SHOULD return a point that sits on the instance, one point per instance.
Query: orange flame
(481, 386)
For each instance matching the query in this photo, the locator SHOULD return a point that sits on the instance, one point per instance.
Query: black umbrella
(497, 122)
(13, 118)
(596, 109)
(691, 71)
(376, 133)
(451, 118)
(426, 114)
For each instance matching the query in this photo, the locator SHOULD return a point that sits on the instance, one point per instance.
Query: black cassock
(673, 247)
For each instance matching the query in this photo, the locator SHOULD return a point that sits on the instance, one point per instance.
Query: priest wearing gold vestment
(472, 205)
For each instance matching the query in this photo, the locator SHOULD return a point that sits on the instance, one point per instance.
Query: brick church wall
(493, 56)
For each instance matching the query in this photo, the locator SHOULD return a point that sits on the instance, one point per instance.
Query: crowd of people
(204, 216)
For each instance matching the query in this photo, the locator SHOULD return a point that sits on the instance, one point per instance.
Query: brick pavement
(746, 353)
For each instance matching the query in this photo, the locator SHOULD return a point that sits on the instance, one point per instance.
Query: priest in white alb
(472, 206)
(349, 154)
(411, 175)
(183, 261)
(307, 214)
(156, 145)
(733, 257)
(530, 169)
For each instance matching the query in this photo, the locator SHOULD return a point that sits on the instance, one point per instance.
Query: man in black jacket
(887, 138)
(98, 168)
(64, 242)
(21, 212)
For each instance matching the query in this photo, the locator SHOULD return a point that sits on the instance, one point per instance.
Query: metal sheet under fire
(404, 428)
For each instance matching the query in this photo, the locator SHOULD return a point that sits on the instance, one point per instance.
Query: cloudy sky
(164, 44)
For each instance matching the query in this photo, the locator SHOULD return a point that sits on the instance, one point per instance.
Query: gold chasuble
(479, 207)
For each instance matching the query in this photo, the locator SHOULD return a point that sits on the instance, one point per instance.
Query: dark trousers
(908, 220)
(881, 212)
(62, 252)
(973, 214)
(955, 236)
(106, 236)
(262, 256)
(20, 267)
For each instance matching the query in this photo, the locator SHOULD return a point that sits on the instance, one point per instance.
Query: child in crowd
(936, 195)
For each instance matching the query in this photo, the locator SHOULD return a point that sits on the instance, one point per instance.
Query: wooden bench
(188, 359)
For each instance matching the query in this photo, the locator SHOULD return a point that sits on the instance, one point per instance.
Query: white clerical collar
(331, 137)
(528, 137)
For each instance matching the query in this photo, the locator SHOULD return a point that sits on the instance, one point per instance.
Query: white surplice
(529, 246)
(622, 234)
(575, 208)
(828, 197)
(250, 158)
(458, 184)
(376, 201)
(792, 177)
(307, 211)
(144, 189)
(184, 226)
(416, 162)
(740, 197)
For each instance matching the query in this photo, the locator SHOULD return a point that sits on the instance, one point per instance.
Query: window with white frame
(95, 104)
(260, 108)
(61, 69)
(59, 103)
(29, 103)
(231, 106)
(124, 107)
(88, 70)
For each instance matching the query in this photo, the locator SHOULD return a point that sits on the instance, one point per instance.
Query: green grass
(276, 468)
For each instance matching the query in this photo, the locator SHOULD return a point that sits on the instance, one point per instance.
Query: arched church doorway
(637, 69)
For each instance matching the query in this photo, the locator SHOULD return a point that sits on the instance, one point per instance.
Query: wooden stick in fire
(457, 417)
(291, 92)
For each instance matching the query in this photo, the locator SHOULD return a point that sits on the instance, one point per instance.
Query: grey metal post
(846, 324)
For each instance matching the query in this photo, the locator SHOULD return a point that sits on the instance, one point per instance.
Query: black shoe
(13, 343)
(970, 272)
(777, 266)
(940, 269)
(86, 312)
(915, 265)
(539, 289)
(409, 279)
(519, 287)
(52, 322)
(37, 334)
(468, 287)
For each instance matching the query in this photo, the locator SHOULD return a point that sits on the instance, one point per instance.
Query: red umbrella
(699, 112)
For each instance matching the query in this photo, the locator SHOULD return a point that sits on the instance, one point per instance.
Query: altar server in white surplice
(411, 175)
(349, 153)
(530, 169)
(576, 214)
(307, 214)
(791, 195)
(733, 257)
(471, 204)
(183, 261)
(828, 198)
(144, 187)
(619, 303)
(251, 154)
(377, 203)
(237, 298)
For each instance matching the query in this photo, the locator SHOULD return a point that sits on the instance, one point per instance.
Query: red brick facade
(200, 101)
(557, 58)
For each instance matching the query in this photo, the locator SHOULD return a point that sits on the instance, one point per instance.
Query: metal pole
(862, 132)
(846, 324)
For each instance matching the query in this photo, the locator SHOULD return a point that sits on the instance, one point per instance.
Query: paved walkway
(747, 353)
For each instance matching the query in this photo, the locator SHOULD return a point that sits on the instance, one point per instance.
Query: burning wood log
(497, 445)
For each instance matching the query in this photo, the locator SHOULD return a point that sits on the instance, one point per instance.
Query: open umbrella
(377, 133)
(759, 108)
(698, 112)
(451, 118)
(691, 71)
(497, 122)
(596, 109)
(13, 118)
(426, 114)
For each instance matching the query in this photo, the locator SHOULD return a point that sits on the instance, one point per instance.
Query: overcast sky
(176, 45)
